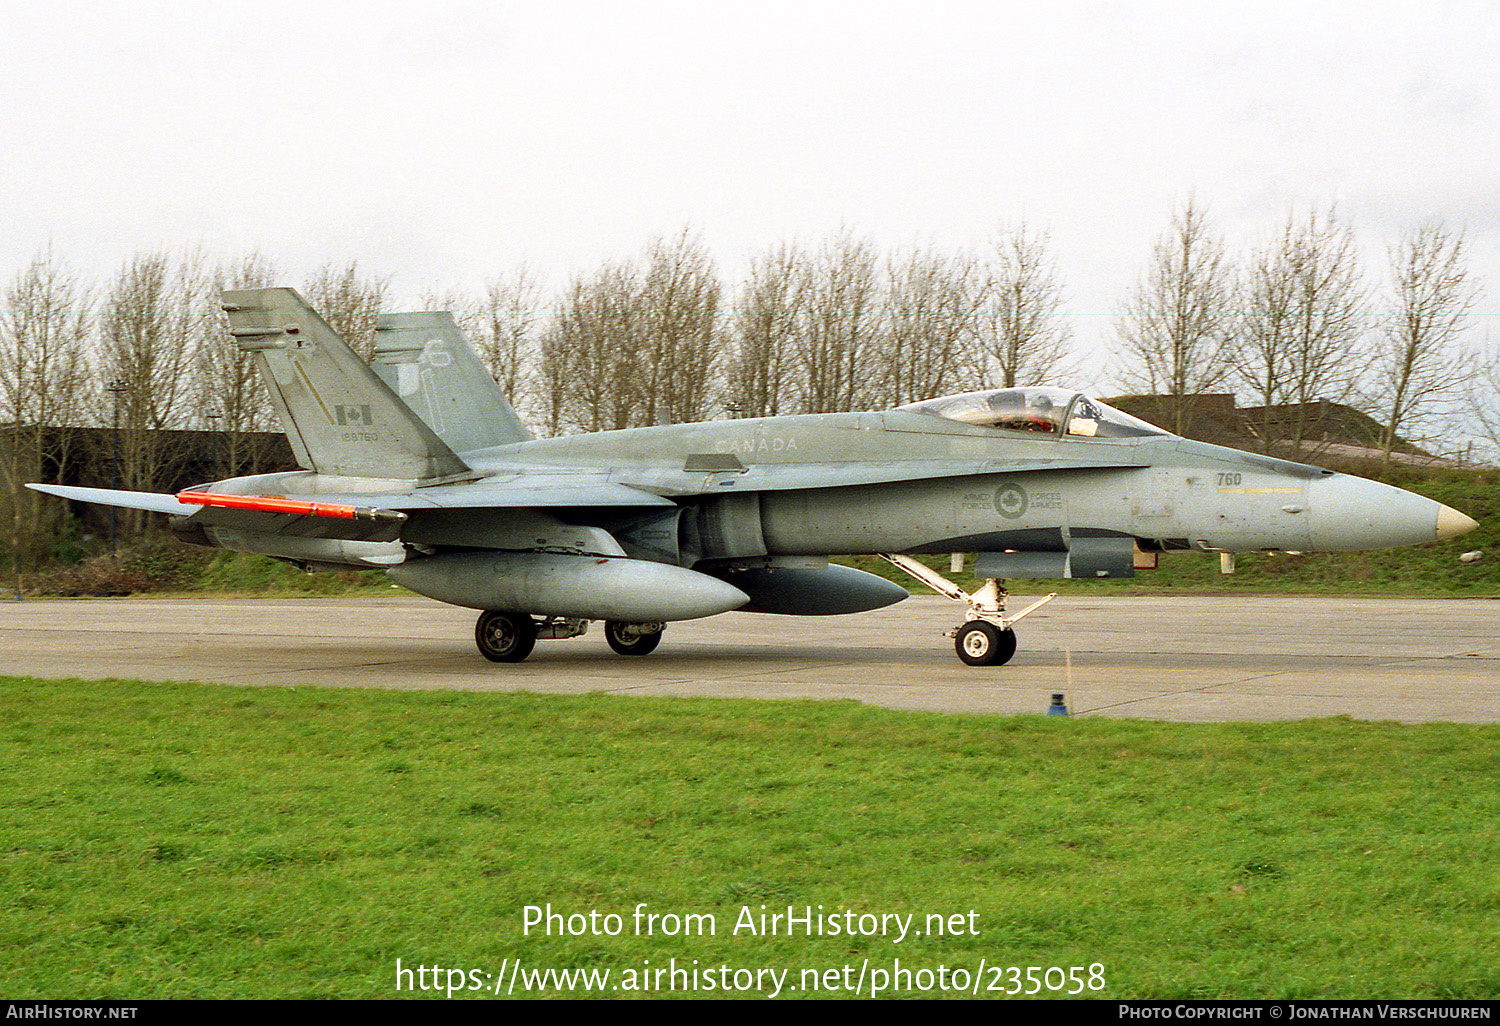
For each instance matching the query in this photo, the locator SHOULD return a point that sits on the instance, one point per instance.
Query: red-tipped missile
(290, 507)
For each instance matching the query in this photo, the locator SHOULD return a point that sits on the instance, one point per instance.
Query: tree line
(651, 340)
(1296, 318)
(834, 326)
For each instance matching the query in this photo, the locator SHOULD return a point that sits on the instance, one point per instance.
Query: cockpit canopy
(1048, 411)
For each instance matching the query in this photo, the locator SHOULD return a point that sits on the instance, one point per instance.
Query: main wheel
(983, 644)
(505, 637)
(625, 640)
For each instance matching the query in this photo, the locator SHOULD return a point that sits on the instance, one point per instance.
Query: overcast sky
(442, 143)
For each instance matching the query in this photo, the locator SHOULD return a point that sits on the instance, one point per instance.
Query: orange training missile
(290, 507)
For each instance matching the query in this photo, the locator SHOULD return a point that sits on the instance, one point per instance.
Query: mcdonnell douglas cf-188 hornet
(416, 464)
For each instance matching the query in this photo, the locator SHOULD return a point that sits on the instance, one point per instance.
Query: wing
(374, 516)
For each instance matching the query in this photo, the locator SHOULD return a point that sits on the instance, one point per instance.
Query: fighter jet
(416, 464)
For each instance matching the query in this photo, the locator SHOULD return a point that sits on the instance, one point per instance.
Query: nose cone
(1451, 523)
(1348, 513)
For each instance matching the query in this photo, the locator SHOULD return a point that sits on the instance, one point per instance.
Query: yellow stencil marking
(308, 382)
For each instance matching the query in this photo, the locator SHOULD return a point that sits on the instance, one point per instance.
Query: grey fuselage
(895, 481)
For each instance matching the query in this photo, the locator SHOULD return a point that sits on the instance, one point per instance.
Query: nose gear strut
(985, 637)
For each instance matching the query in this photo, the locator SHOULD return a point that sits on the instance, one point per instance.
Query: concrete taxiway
(1172, 658)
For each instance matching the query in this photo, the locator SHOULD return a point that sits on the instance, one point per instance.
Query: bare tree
(628, 347)
(839, 320)
(468, 312)
(1023, 339)
(552, 372)
(1302, 316)
(764, 327)
(588, 371)
(928, 326)
(679, 331)
(1176, 332)
(1482, 394)
(233, 400)
(1416, 363)
(512, 321)
(44, 387)
(154, 320)
(349, 303)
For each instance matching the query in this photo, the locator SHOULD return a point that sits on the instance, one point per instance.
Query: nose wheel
(985, 637)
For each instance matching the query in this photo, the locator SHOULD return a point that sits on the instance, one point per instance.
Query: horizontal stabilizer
(259, 513)
(152, 501)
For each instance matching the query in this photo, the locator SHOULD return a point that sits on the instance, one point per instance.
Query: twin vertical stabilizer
(426, 360)
(340, 418)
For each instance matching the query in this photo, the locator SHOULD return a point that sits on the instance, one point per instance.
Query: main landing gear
(633, 639)
(985, 638)
(505, 637)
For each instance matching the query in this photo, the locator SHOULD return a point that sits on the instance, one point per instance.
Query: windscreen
(1049, 411)
(1091, 418)
(1040, 410)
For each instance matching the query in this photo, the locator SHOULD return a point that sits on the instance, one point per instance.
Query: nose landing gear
(980, 643)
(985, 637)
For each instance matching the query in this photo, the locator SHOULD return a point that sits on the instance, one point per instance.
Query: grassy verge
(173, 840)
(164, 565)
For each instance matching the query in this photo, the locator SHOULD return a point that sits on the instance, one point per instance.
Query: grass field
(180, 840)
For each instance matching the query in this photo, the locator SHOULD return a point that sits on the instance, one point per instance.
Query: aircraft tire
(983, 644)
(505, 637)
(629, 644)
